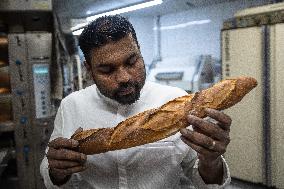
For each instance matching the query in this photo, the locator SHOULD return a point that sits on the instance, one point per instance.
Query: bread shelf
(5, 95)
(4, 65)
(5, 155)
(7, 126)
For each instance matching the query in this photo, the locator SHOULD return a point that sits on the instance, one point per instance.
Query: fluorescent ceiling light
(183, 25)
(118, 11)
(77, 32)
(126, 9)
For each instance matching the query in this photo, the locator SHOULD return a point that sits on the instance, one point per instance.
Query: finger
(63, 143)
(208, 128)
(80, 129)
(68, 171)
(65, 154)
(203, 141)
(196, 129)
(200, 149)
(224, 120)
(59, 164)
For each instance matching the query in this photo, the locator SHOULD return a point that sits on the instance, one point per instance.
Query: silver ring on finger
(212, 145)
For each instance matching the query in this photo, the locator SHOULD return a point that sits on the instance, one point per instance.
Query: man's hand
(210, 140)
(63, 160)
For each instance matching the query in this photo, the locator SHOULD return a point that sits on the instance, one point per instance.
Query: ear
(89, 70)
(88, 67)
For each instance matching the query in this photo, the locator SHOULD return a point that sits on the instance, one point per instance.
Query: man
(114, 59)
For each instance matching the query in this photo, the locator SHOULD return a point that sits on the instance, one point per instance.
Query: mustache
(127, 85)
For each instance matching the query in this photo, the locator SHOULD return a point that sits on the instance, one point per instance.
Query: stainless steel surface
(42, 90)
(39, 56)
(242, 55)
(186, 66)
(277, 104)
(39, 47)
(26, 52)
(189, 73)
(204, 75)
(21, 109)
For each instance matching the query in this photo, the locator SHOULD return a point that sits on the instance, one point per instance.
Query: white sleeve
(190, 168)
(199, 183)
(189, 164)
(57, 132)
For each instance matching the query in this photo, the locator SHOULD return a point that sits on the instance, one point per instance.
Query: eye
(105, 69)
(132, 60)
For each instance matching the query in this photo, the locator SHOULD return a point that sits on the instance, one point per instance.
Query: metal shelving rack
(6, 121)
(29, 35)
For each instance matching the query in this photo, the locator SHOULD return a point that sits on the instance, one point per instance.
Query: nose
(122, 76)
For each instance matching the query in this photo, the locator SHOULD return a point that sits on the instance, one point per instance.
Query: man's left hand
(209, 138)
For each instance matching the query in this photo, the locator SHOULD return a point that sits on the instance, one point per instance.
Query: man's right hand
(63, 160)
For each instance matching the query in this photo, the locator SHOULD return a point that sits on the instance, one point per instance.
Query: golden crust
(156, 124)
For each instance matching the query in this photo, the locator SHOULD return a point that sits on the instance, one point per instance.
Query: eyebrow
(111, 64)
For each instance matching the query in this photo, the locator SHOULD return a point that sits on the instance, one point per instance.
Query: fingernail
(75, 143)
(183, 131)
(189, 131)
(83, 157)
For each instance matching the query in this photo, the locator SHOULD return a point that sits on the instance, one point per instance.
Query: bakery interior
(190, 44)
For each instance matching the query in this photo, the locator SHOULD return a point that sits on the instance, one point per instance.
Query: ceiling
(79, 9)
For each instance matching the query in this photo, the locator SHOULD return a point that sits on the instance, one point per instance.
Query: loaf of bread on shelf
(4, 90)
(156, 124)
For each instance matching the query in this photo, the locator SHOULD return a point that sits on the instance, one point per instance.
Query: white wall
(198, 39)
(145, 35)
(190, 41)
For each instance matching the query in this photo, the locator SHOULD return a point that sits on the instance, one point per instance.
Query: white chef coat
(166, 164)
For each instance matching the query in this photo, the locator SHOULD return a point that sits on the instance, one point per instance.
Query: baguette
(156, 124)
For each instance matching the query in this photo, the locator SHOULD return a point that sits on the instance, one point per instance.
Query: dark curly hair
(102, 31)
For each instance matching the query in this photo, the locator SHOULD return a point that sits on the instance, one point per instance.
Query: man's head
(113, 56)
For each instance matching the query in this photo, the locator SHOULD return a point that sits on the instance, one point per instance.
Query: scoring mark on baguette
(156, 124)
(84, 134)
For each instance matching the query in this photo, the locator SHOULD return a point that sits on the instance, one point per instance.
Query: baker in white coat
(189, 159)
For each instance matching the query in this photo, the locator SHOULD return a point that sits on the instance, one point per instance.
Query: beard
(131, 97)
(119, 94)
